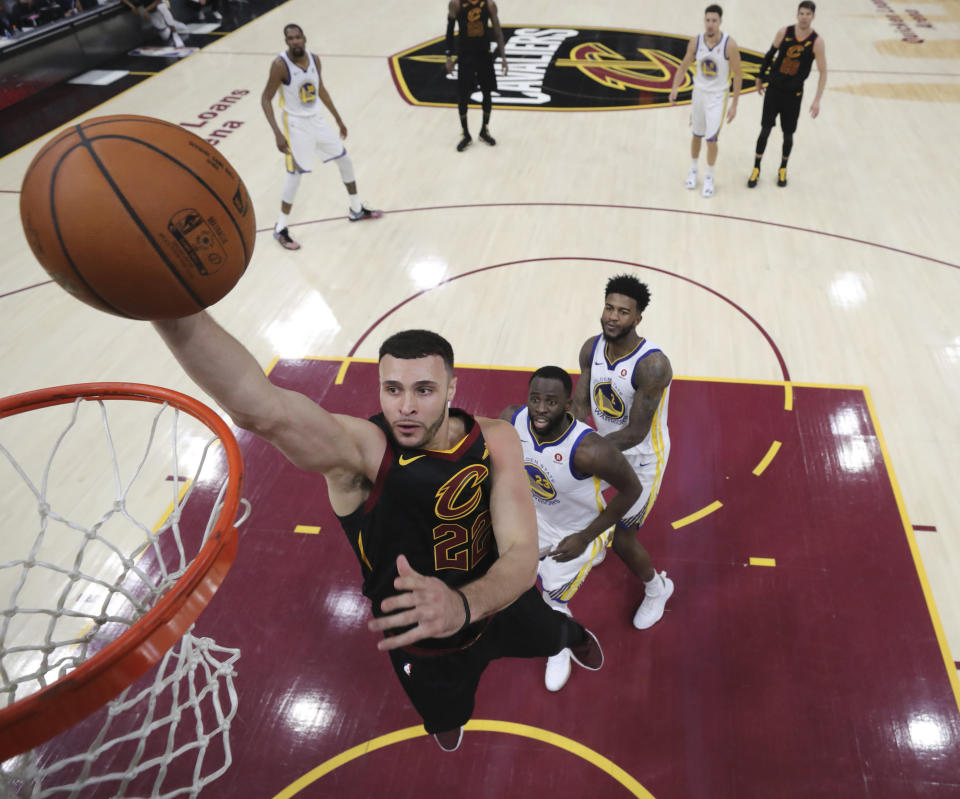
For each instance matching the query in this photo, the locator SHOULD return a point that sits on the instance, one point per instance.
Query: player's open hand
(449, 65)
(673, 96)
(436, 610)
(343, 129)
(815, 108)
(282, 145)
(759, 85)
(503, 66)
(570, 547)
(732, 112)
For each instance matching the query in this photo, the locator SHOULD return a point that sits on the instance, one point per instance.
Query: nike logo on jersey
(404, 460)
(598, 363)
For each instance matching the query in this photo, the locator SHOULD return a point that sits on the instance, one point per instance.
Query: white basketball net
(78, 568)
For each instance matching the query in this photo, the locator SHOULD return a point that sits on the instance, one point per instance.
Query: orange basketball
(137, 217)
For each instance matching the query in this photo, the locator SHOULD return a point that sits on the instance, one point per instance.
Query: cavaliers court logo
(565, 69)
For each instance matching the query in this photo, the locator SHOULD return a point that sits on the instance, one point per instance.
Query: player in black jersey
(474, 18)
(434, 502)
(796, 47)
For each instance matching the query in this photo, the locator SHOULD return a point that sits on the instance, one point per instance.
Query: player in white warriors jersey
(565, 461)
(624, 386)
(296, 73)
(717, 58)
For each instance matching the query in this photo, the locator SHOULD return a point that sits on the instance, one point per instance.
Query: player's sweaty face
(547, 404)
(413, 395)
(711, 23)
(619, 316)
(296, 42)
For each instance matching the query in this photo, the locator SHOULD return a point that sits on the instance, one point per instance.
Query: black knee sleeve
(762, 140)
(787, 144)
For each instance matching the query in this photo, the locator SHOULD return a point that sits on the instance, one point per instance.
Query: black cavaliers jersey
(793, 63)
(472, 23)
(433, 507)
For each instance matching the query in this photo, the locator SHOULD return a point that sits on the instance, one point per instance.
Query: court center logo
(565, 69)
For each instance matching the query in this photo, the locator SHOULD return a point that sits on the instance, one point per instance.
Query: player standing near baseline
(565, 461)
(296, 73)
(625, 385)
(434, 503)
(474, 59)
(796, 47)
(717, 57)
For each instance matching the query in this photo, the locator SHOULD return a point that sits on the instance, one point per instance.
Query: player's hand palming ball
(137, 217)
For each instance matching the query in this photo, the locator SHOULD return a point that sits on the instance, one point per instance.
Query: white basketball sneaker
(652, 607)
(691, 181)
(707, 186)
(558, 671)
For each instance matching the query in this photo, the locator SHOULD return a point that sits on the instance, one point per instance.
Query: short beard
(429, 432)
(619, 337)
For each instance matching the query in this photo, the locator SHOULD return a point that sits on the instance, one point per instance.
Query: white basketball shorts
(307, 135)
(649, 469)
(560, 581)
(706, 113)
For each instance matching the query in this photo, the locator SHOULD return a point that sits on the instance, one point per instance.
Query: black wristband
(466, 610)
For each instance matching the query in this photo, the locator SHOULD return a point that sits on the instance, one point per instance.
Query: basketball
(137, 217)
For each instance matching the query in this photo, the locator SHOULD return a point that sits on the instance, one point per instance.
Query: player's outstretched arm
(597, 456)
(581, 394)
(652, 375)
(309, 436)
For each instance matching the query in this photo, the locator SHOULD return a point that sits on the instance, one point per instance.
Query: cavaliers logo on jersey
(607, 401)
(565, 69)
(461, 494)
(540, 484)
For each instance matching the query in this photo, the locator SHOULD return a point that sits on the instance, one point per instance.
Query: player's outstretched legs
(658, 588)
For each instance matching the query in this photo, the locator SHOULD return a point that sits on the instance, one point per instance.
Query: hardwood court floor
(826, 667)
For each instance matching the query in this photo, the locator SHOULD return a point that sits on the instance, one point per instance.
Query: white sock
(355, 204)
(694, 162)
(654, 586)
(177, 41)
(710, 171)
(281, 222)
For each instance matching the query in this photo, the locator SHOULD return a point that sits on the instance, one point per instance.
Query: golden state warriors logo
(565, 69)
(607, 401)
(461, 494)
(708, 68)
(540, 484)
(307, 93)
